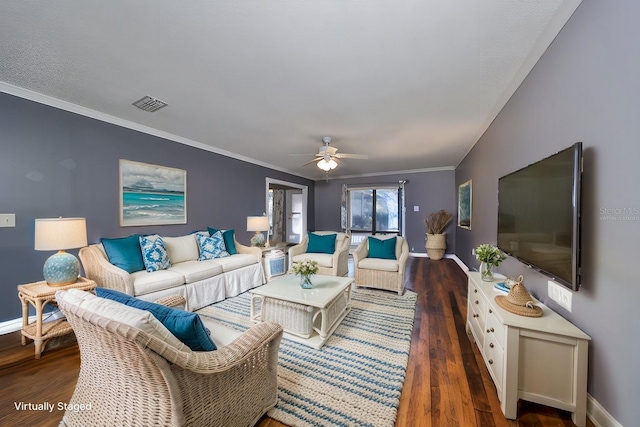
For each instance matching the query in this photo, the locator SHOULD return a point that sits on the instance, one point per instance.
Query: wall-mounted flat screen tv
(539, 215)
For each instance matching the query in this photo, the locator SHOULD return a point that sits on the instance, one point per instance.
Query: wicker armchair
(132, 378)
(336, 264)
(381, 273)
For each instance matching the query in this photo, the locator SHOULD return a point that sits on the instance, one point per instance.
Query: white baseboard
(598, 415)
(448, 256)
(13, 325)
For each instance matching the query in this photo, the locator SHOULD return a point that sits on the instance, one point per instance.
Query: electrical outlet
(560, 294)
(473, 251)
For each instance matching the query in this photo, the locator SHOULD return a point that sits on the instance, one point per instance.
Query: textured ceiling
(413, 84)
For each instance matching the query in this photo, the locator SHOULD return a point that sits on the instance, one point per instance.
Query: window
(374, 210)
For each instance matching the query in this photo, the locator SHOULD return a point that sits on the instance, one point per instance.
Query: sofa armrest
(173, 301)
(361, 252)
(251, 250)
(98, 268)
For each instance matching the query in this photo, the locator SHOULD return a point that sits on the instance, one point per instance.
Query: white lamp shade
(54, 234)
(257, 223)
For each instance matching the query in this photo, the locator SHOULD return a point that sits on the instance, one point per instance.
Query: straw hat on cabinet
(519, 301)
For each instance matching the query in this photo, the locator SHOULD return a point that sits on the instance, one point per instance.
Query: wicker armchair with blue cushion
(329, 248)
(380, 262)
(135, 372)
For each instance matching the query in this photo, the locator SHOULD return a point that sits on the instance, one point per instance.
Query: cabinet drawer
(477, 302)
(477, 325)
(494, 356)
(495, 328)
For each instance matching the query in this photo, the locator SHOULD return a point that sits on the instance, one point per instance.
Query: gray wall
(430, 191)
(221, 191)
(585, 88)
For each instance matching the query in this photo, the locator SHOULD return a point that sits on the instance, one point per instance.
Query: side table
(39, 294)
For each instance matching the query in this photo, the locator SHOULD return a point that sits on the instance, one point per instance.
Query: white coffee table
(308, 316)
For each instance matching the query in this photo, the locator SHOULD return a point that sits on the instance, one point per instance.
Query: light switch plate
(416, 208)
(560, 294)
(7, 220)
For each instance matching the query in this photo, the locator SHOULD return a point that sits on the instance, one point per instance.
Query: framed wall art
(464, 205)
(152, 194)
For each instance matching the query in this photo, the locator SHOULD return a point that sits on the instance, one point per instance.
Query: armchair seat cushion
(221, 335)
(323, 260)
(144, 282)
(378, 264)
(194, 271)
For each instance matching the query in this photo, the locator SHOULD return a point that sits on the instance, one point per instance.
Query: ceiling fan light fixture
(327, 165)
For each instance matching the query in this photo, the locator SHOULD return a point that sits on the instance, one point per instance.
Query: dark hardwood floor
(447, 383)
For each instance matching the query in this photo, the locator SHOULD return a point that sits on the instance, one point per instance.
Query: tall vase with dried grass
(436, 237)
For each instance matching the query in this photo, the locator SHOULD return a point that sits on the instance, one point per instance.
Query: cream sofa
(335, 264)
(201, 283)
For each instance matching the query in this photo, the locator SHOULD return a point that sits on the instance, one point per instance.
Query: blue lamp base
(61, 269)
(258, 240)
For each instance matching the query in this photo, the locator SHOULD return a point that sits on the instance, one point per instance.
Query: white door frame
(305, 196)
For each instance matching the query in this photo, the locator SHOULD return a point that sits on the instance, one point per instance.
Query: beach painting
(152, 194)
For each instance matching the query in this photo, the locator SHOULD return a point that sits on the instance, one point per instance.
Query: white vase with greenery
(489, 257)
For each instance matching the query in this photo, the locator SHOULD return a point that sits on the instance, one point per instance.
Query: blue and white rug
(356, 378)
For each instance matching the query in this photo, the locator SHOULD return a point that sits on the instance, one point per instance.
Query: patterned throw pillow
(211, 247)
(154, 254)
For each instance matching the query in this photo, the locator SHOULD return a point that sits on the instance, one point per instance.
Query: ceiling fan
(327, 156)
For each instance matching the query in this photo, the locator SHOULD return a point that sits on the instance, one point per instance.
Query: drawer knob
(490, 345)
(488, 330)
(490, 311)
(475, 291)
(490, 361)
(476, 315)
(492, 330)
(477, 302)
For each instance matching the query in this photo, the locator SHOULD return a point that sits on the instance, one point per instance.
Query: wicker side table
(39, 294)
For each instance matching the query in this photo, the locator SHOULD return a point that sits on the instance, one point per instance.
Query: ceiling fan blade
(352, 156)
(311, 161)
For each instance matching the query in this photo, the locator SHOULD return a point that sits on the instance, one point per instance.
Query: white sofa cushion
(378, 264)
(144, 282)
(323, 260)
(134, 317)
(183, 248)
(194, 271)
(234, 262)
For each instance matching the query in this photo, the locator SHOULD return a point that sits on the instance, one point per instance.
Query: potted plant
(489, 257)
(436, 237)
(305, 270)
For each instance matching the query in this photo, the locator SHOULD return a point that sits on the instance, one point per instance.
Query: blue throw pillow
(124, 252)
(185, 326)
(154, 254)
(211, 247)
(321, 244)
(229, 239)
(382, 248)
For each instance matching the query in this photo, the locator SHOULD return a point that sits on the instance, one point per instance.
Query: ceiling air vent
(149, 104)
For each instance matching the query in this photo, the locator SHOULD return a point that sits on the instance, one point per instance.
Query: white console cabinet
(539, 359)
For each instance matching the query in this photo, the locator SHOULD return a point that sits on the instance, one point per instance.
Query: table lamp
(258, 224)
(58, 234)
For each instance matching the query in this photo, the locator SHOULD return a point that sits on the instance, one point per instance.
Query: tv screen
(539, 215)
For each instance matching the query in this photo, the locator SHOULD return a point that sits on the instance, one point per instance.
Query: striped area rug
(356, 378)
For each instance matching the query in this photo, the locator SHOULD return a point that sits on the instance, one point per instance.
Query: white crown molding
(87, 112)
(399, 172)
